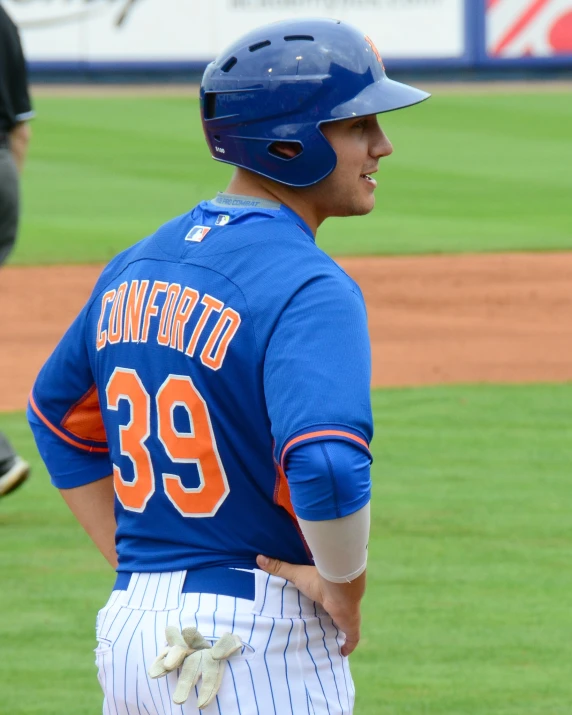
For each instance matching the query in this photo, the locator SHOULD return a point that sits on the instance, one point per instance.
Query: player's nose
(380, 145)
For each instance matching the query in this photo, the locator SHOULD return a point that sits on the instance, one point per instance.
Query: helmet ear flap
(315, 160)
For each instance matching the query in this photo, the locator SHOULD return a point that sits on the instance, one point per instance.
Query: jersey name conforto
(137, 311)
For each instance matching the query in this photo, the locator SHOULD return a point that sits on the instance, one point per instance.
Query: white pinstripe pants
(290, 664)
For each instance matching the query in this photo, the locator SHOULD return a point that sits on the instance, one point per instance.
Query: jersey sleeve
(65, 415)
(328, 480)
(317, 369)
(67, 465)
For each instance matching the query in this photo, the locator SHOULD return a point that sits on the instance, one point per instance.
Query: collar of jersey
(240, 201)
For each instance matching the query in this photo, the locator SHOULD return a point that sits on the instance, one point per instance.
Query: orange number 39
(198, 446)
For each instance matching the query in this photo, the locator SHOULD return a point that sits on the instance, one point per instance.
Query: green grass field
(469, 173)
(468, 606)
(468, 609)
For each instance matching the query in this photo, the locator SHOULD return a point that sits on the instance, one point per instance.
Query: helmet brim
(385, 95)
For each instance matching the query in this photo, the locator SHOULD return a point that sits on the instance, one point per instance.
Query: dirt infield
(433, 320)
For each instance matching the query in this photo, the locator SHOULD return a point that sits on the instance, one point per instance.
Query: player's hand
(305, 578)
(344, 611)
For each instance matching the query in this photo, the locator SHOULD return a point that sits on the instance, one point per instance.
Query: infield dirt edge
(495, 318)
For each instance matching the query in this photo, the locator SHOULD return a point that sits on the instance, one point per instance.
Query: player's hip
(290, 661)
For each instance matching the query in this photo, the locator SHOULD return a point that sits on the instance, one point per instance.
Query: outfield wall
(183, 35)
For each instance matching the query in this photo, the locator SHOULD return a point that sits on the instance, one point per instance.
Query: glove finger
(175, 657)
(188, 678)
(213, 670)
(226, 646)
(198, 642)
(157, 669)
(188, 635)
(174, 637)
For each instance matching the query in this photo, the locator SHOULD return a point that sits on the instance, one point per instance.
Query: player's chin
(365, 205)
(365, 200)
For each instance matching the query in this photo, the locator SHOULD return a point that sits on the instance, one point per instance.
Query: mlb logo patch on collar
(222, 219)
(197, 233)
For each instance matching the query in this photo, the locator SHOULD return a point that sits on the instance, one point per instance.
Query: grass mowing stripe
(53, 582)
(467, 611)
(469, 579)
(469, 173)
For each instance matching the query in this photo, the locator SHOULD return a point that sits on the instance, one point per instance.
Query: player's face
(359, 144)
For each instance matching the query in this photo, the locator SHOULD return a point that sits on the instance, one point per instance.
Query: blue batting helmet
(280, 82)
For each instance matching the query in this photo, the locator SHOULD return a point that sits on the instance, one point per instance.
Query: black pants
(7, 455)
(9, 202)
(9, 210)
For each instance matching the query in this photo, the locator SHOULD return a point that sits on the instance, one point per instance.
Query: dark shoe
(14, 476)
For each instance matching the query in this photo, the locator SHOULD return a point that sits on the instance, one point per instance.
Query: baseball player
(207, 415)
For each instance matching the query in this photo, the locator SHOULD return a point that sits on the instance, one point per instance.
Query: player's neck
(246, 183)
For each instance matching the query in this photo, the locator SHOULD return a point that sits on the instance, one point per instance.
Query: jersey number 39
(198, 446)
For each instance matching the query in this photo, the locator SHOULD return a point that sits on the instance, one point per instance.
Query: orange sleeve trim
(323, 433)
(60, 434)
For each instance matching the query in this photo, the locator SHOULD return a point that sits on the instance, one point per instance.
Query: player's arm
(82, 478)
(317, 382)
(328, 478)
(92, 506)
(64, 415)
(339, 547)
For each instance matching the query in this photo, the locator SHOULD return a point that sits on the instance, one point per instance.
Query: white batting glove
(197, 658)
(210, 664)
(180, 646)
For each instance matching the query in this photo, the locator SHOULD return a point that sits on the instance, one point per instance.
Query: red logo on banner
(531, 28)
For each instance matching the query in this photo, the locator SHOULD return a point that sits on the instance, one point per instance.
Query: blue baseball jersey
(206, 353)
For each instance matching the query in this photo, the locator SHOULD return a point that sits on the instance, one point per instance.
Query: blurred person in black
(15, 111)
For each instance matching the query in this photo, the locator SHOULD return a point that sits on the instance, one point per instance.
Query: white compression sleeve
(339, 546)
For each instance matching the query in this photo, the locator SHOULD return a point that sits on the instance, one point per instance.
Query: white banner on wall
(529, 28)
(197, 30)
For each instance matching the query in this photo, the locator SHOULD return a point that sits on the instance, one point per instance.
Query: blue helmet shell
(280, 82)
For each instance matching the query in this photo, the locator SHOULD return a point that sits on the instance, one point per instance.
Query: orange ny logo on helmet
(375, 51)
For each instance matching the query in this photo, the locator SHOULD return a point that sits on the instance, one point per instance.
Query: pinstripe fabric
(290, 663)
